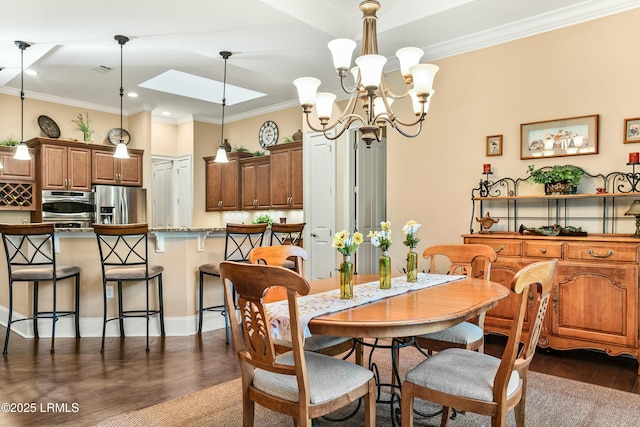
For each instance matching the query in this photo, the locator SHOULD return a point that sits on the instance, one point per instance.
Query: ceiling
(272, 43)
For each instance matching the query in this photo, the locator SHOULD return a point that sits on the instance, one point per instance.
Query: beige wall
(585, 69)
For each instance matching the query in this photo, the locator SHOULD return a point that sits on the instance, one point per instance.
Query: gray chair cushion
(328, 378)
(462, 333)
(289, 264)
(132, 273)
(43, 272)
(315, 342)
(210, 268)
(461, 372)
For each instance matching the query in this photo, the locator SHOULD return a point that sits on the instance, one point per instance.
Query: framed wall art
(494, 145)
(572, 136)
(631, 130)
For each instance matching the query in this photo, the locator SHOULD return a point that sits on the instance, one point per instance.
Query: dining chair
(124, 257)
(472, 260)
(476, 382)
(279, 256)
(30, 251)
(301, 384)
(240, 239)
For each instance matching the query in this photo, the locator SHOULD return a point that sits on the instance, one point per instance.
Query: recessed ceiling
(273, 42)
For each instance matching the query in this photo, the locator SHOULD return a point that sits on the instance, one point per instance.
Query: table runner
(310, 306)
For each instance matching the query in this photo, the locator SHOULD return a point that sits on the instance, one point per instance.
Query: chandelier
(370, 87)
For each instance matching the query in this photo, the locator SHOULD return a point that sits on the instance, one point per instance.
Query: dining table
(395, 319)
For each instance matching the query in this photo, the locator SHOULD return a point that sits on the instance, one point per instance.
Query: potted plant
(559, 179)
(263, 219)
(84, 125)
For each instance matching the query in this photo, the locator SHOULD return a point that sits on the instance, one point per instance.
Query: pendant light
(221, 155)
(22, 151)
(121, 147)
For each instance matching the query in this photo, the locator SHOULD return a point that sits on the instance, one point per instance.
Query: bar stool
(31, 257)
(240, 240)
(124, 258)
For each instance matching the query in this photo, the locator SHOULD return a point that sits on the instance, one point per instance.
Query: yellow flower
(338, 243)
(372, 233)
(357, 238)
(386, 226)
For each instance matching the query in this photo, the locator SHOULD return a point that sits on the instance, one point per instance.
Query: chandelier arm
(349, 119)
(405, 134)
(385, 90)
(344, 88)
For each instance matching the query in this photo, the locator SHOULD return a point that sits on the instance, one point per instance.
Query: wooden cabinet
(107, 170)
(255, 183)
(286, 176)
(594, 302)
(15, 170)
(223, 182)
(62, 165)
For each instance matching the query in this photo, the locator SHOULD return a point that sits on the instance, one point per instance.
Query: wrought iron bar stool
(31, 257)
(240, 240)
(124, 258)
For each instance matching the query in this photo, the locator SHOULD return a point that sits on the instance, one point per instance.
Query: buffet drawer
(602, 252)
(541, 249)
(502, 247)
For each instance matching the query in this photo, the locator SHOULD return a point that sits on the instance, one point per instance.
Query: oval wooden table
(412, 313)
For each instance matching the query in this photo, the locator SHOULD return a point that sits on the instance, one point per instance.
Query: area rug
(551, 401)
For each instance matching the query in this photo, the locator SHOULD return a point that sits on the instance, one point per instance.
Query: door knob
(314, 235)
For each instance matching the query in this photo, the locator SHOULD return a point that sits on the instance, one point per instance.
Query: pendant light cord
(22, 46)
(121, 40)
(225, 55)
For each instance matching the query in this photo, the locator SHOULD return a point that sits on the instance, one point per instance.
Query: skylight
(191, 86)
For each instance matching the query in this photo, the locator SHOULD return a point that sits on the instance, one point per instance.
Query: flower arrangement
(84, 124)
(381, 239)
(345, 243)
(410, 230)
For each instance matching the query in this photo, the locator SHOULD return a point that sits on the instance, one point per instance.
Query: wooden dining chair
(30, 250)
(472, 260)
(476, 382)
(280, 255)
(240, 239)
(302, 384)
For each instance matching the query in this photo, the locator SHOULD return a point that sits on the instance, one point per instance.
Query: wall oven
(68, 209)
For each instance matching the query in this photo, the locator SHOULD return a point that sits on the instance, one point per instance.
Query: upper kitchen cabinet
(286, 176)
(223, 183)
(255, 177)
(15, 170)
(62, 165)
(107, 170)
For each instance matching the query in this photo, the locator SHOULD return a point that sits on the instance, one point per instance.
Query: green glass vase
(346, 278)
(412, 265)
(385, 271)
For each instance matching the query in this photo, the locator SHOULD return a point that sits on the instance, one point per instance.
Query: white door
(320, 205)
(162, 171)
(370, 198)
(183, 194)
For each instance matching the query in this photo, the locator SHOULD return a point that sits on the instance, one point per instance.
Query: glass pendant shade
(221, 155)
(341, 51)
(307, 88)
(324, 104)
(423, 75)
(121, 151)
(408, 56)
(371, 69)
(379, 107)
(22, 152)
(417, 106)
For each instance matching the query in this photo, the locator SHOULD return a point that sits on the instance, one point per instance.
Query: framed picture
(494, 145)
(631, 130)
(573, 136)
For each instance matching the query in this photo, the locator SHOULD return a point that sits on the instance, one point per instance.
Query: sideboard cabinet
(595, 300)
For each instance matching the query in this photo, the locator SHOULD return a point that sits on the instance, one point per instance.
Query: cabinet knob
(543, 250)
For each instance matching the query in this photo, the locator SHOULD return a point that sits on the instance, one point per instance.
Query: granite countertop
(151, 229)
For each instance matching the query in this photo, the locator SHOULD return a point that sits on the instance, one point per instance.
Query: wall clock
(268, 134)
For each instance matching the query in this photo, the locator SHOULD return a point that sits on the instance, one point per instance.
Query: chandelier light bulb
(221, 155)
(22, 152)
(423, 75)
(341, 51)
(371, 69)
(324, 104)
(408, 57)
(307, 88)
(121, 151)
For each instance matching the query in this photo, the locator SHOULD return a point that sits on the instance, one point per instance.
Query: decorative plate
(114, 136)
(48, 127)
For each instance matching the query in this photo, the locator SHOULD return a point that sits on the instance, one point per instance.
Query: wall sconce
(634, 210)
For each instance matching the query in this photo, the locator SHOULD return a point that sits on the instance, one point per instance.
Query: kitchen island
(179, 250)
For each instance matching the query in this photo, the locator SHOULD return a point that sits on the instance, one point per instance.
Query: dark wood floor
(95, 387)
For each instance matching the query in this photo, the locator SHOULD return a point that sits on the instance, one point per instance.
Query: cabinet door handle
(543, 250)
(500, 249)
(607, 255)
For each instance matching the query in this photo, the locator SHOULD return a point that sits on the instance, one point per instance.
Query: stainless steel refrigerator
(120, 205)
